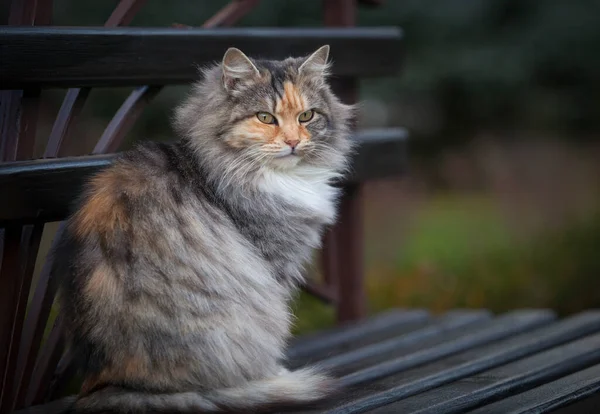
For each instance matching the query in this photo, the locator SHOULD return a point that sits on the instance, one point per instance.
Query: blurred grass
(461, 252)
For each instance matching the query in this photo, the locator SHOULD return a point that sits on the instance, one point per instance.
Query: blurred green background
(501, 205)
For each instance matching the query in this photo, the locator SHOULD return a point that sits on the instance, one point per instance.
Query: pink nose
(292, 142)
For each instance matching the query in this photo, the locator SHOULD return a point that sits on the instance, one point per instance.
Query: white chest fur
(304, 186)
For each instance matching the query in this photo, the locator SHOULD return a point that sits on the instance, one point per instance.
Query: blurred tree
(471, 65)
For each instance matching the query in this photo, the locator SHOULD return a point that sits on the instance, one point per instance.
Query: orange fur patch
(101, 213)
(103, 285)
(291, 103)
(287, 110)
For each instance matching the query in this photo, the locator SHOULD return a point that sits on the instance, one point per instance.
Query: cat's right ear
(237, 67)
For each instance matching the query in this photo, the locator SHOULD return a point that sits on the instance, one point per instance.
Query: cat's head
(279, 114)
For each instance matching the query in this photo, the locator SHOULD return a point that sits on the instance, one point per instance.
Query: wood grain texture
(539, 365)
(551, 396)
(468, 362)
(80, 57)
(499, 328)
(30, 242)
(492, 385)
(439, 327)
(346, 336)
(45, 189)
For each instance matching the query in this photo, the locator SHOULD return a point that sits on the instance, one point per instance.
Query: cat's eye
(266, 118)
(306, 116)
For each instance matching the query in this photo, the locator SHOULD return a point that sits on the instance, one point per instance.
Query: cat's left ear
(237, 67)
(317, 62)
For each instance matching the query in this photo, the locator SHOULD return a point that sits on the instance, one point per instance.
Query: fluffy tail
(290, 387)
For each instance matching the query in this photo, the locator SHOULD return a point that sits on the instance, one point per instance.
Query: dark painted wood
(321, 291)
(34, 327)
(124, 13)
(552, 396)
(68, 112)
(30, 242)
(122, 122)
(440, 327)
(10, 115)
(339, 13)
(344, 263)
(538, 367)
(80, 57)
(10, 280)
(468, 362)
(495, 384)
(349, 240)
(58, 142)
(132, 108)
(55, 407)
(50, 353)
(45, 189)
(396, 320)
(380, 153)
(499, 328)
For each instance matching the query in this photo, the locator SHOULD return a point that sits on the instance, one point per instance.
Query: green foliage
(460, 254)
(462, 257)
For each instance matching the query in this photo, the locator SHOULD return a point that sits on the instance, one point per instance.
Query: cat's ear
(237, 67)
(317, 62)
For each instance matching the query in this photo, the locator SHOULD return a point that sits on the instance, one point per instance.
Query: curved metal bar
(125, 118)
(129, 112)
(58, 144)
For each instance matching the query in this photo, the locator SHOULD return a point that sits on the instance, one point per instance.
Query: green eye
(306, 116)
(266, 118)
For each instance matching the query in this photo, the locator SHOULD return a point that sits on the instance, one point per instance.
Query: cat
(180, 260)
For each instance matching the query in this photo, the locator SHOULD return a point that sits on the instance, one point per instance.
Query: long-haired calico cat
(180, 260)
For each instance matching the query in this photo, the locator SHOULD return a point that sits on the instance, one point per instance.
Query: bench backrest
(33, 367)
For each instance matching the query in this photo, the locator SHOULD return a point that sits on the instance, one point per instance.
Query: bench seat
(462, 361)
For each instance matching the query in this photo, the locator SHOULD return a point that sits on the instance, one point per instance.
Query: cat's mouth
(288, 153)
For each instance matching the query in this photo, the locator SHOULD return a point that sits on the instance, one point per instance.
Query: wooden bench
(37, 191)
(400, 361)
(464, 361)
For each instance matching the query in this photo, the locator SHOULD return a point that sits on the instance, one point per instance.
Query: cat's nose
(292, 142)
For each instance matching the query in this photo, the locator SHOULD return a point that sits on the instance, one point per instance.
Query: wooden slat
(30, 242)
(10, 280)
(50, 354)
(80, 57)
(363, 332)
(45, 189)
(469, 362)
(446, 324)
(494, 384)
(344, 261)
(61, 406)
(536, 368)
(550, 397)
(372, 349)
(18, 118)
(349, 241)
(499, 328)
(34, 327)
